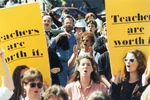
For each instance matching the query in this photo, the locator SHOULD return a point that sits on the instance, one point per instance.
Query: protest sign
(23, 39)
(128, 24)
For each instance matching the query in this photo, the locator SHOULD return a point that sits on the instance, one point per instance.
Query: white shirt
(5, 93)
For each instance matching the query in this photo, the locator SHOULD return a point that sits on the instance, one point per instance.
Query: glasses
(33, 85)
(130, 60)
(85, 40)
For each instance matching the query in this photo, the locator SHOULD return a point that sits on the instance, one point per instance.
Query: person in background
(17, 78)
(6, 90)
(65, 12)
(92, 27)
(104, 67)
(87, 41)
(10, 3)
(47, 22)
(44, 13)
(89, 16)
(99, 45)
(135, 80)
(84, 7)
(56, 92)
(32, 82)
(64, 43)
(146, 94)
(55, 66)
(84, 80)
(79, 28)
(99, 95)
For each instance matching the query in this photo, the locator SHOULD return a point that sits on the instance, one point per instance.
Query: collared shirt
(75, 91)
(5, 93)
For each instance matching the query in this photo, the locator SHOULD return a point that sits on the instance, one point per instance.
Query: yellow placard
(128, 24)
(23, 39)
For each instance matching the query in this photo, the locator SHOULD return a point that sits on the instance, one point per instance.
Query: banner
(128, 24)
(23, 39)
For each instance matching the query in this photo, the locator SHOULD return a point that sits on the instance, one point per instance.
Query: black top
(99, 45)
(126, 91)
(54, 62)
(104, 65)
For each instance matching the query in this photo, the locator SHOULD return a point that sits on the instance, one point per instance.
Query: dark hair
(17, 83)
(92, 22)
(94, 75)
(141, 63)
(56, 90)
(68, 16)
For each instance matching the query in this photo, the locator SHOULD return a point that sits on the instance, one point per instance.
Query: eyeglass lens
(33, 85)
(131, 60)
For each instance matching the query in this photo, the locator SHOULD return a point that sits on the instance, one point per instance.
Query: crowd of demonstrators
(77, 47)
(131, 86)
(17, 79)
(6, 90)
(84, 80)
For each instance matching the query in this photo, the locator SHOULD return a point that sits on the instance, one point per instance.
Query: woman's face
(85, 68)
(33, 89)
(86, 43)
(131, 63)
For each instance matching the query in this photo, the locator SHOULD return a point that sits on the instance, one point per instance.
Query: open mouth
(85, 71)
(128, 66)
(35, 91)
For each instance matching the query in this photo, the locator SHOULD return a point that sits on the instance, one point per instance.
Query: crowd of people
(80, 66)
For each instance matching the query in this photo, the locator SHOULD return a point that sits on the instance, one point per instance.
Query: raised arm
(7, 81)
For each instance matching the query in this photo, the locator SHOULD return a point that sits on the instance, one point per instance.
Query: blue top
(64, 54)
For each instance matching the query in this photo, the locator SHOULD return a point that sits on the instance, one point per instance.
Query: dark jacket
(119, 92)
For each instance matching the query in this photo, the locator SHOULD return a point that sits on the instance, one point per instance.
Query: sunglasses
(33, 85)
(130, 60)
(85, 40)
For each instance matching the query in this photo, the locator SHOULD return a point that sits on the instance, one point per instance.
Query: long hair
(17, 83)
(141, 64)
(94, 75)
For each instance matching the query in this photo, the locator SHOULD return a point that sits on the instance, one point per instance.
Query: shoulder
(101, 86)
(71, 85)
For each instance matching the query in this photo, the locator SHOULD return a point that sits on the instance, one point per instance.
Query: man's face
(68, 24)
(47, 22)
(92, 28)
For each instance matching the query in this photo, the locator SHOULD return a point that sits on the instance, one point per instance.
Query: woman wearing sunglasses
(87, 41)
(32, 83)
(135, 80)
